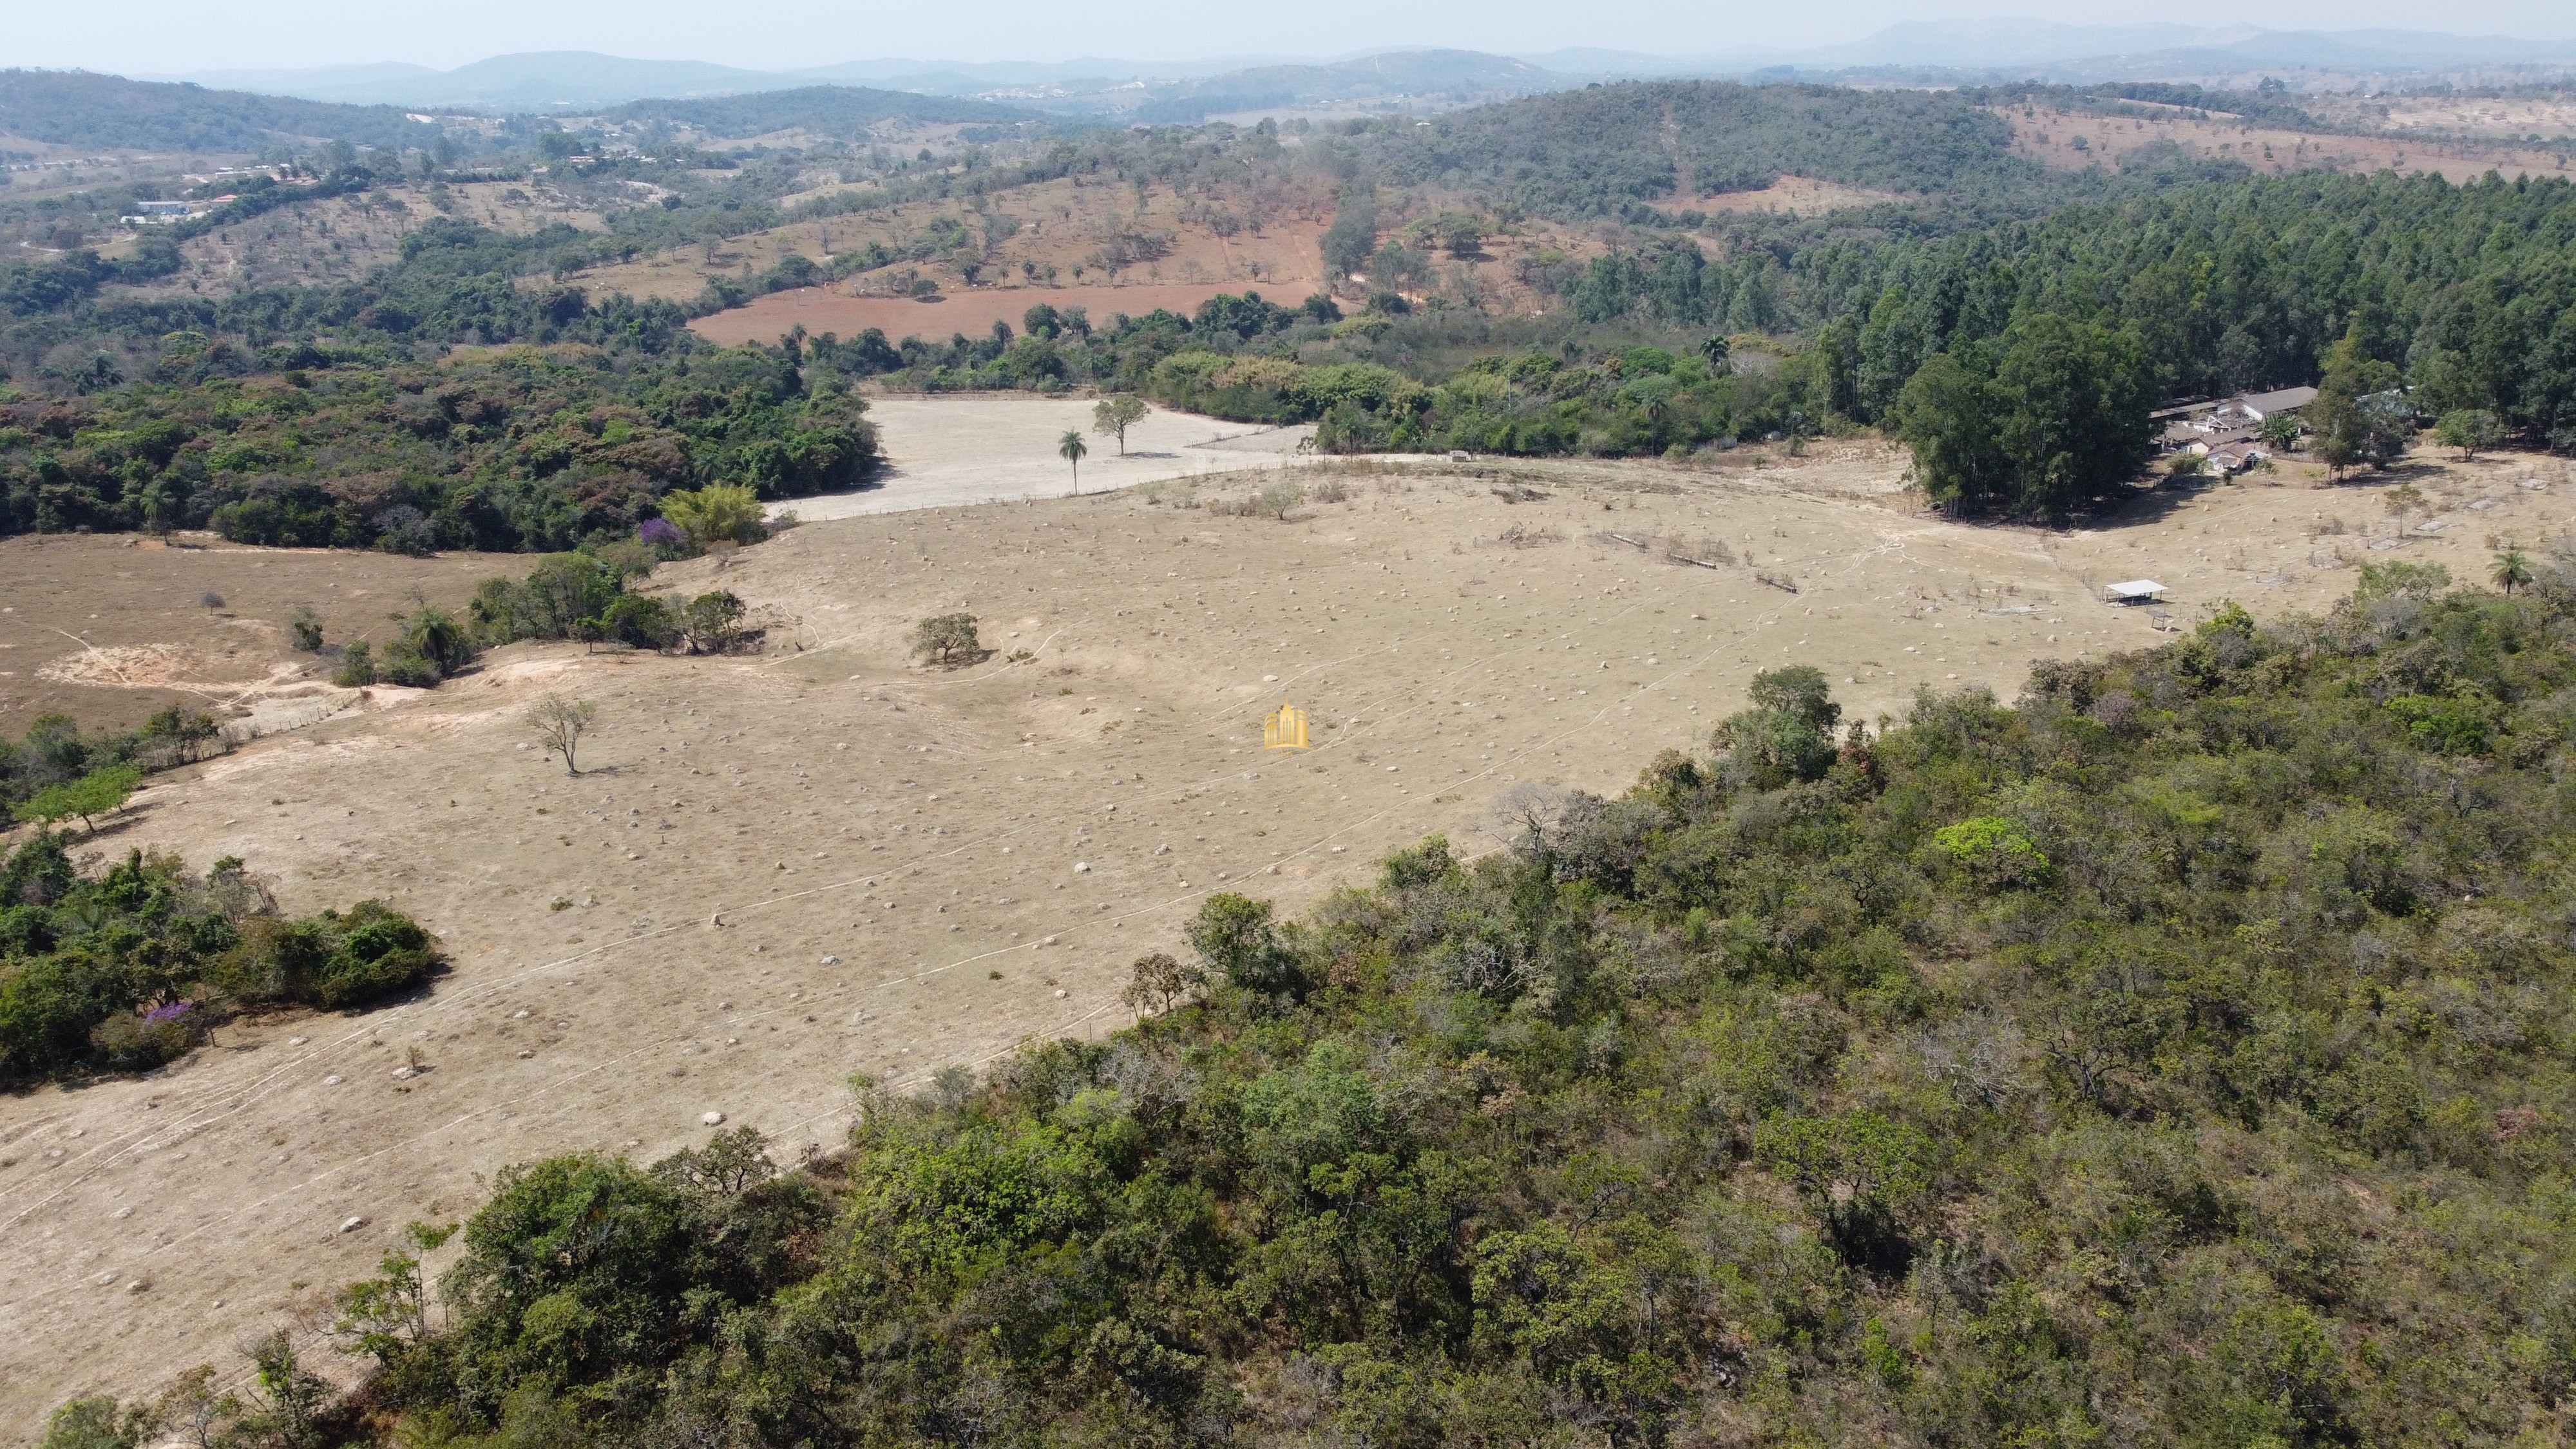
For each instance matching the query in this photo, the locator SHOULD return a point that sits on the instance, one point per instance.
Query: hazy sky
(189, 35)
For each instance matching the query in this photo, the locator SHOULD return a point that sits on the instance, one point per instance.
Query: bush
(641, 621)
(126, 970)
(406, 666)
(138, 1042)
(712, 623)
(330, 960)
(718, 513)
(357, 666)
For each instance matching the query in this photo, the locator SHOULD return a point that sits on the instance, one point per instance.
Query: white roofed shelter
(2135, 591)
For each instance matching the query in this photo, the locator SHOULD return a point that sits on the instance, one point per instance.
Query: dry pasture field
(345, 238)
(779, 870)
(2507, 118)
(110, 628)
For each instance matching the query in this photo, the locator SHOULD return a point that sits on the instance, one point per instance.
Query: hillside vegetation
(2043, 312)
(512, 450)
(77, 108)
(1608, 150)
(2174, 1057)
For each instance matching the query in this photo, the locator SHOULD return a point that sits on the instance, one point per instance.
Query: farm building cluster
(2231, 435)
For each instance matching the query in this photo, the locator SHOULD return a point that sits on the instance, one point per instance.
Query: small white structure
(2135, 591)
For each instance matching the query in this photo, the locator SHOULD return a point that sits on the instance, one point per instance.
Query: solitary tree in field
(2401, 501)
(1115, 414)
(560, 723)
(947, 639)
(1070, 448)
(2512, 568)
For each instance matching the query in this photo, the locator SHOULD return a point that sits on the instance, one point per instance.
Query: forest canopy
(514, 450)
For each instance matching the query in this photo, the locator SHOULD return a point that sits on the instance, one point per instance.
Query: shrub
(438, 638)
(712, 623)
(641, 621)
(332, 960)
(717, 513)
(948, 640)
(1996, 850)
(407, 666)
(357, 666)
(138, 1042)
(1236, 940)
(125, 970)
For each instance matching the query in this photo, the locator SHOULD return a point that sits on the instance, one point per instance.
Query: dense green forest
(2175, 1057)
(519, 449)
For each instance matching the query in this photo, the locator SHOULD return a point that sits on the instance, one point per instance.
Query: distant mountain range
(1179, 91)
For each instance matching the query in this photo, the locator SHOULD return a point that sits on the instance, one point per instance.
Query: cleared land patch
(784, 869)
(2076, 141)
(943, 452)
(973, 312)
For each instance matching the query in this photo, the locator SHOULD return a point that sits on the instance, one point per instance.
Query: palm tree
(2511, 568)
(1070, 448)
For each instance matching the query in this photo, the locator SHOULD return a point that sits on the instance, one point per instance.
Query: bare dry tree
(560, 723)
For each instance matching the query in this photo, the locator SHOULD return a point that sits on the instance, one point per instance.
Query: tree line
(349, 447)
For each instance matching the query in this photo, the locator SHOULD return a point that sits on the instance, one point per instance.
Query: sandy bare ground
(781, 870)
(944, 452)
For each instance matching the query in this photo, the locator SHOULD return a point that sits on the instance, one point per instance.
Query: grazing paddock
(778, 870)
